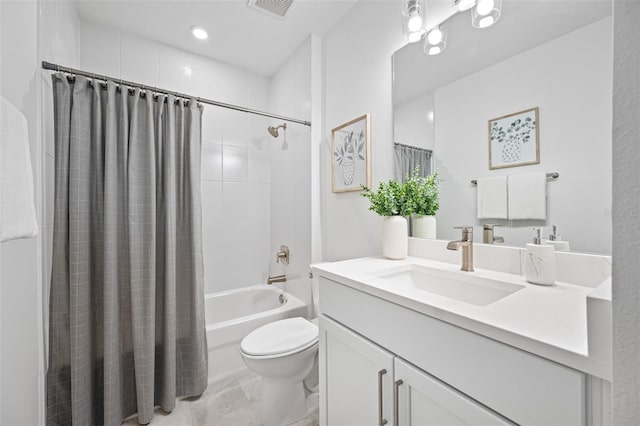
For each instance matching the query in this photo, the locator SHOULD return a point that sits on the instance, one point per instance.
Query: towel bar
(554, 175)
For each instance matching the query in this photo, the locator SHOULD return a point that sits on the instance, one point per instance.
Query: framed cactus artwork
(513, 140)
(351, 155)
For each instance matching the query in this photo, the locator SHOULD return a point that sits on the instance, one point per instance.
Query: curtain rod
(54, 67)
(412, 147)
(554, 175)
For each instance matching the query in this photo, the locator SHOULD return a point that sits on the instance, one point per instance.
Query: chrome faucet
(467, 247)
(283, 255)
(277, 279)
(488, 237)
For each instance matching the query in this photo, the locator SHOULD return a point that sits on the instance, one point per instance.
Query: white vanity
(418, 342)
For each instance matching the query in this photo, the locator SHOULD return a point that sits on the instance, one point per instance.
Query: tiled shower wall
(291, 172)
(236, 160)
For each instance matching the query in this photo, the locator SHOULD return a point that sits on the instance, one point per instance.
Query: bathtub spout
(277, 279)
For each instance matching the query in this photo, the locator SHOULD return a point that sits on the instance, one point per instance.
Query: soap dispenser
(555, 240)
(540, 261)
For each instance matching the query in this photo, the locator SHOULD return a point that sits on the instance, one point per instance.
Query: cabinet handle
(396, 409)
(381, 421)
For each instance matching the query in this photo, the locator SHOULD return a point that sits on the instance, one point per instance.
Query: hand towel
(17, 208)
(492, 197)
(528, 196)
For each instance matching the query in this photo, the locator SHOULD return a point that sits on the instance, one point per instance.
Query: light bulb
(199, 33)
(485, 7)
(415, 36)
(487, 21)
(435, 50)
(415, 23)
(434, 36)
(463, 5)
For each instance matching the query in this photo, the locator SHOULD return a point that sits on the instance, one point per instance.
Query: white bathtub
(231, 315)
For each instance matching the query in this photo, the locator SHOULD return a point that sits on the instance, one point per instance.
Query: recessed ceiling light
(199, 33)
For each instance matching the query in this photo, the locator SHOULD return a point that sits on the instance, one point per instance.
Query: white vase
(395, 239)
(423, 226)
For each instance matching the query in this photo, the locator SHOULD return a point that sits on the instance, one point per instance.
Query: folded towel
(492, 197)
(528, 196)
(17, 208)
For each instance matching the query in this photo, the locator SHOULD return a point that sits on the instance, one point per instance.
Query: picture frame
(351, 155)
(514, 139)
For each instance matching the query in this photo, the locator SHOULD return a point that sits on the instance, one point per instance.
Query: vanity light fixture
(486, 13)
(413, 20)
(462, 5)
(435, 40)
(199, 33)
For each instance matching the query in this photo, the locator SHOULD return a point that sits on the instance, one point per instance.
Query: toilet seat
(280, 338)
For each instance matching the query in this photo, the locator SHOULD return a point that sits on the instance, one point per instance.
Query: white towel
(492, 197)
(17, 208)
(528, 196)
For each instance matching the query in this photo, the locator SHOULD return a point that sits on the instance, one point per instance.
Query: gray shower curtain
(406, 158)
(126, 306)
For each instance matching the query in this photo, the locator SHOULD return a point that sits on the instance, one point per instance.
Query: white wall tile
(258, 235)
(176, 70)
(212, 119)
(259, 166)
(234, 125)
(99, 49)
(257, 267)
(234, 199)
(211, 161)
(259, 200)
(212, 199)
(235, 164)
(139, 60)
(208, 75)
(235, 89)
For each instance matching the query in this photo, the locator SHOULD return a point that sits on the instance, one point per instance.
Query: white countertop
(549, 321)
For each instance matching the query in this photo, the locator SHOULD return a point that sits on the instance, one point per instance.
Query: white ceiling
(238, 35)
(523, 25)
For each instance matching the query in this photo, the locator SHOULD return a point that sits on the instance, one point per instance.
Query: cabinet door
(356, 378)
(422, 400)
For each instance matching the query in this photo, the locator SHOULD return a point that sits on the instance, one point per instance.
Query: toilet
(283, 353)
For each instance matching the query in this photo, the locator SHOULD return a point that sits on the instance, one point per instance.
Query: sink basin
(456, 285)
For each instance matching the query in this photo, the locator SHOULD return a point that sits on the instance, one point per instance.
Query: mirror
(556, 56)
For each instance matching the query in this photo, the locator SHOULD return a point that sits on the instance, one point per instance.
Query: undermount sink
(456, 285)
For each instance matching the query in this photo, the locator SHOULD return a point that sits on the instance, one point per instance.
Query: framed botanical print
(514, 140)
(351, 155)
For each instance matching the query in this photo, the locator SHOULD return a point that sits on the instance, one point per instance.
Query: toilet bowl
(283, 353)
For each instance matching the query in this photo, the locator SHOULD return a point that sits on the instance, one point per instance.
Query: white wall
(236, 157)
(21, 372)
(626, 217)
(358, 72)
(570, 80)
(290, 95)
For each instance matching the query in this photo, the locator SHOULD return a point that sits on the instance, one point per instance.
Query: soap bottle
(540, 261)
(555, 240)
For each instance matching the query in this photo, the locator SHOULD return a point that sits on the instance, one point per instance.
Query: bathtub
(231, 315)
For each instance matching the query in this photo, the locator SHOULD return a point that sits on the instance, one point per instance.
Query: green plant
(391, 199)
(423, 192)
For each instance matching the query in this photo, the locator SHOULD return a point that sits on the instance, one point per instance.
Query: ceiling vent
(276, 8)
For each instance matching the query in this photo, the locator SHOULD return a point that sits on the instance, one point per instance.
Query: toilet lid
(280, 337)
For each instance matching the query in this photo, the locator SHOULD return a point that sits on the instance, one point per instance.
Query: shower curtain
(126, 306)
(406, 158)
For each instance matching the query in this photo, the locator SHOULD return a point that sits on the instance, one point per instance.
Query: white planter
(395, 238)
(423, 226)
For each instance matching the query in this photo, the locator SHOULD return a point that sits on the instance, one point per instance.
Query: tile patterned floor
(233, 401)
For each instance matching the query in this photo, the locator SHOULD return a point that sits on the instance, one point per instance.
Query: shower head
(273, 131)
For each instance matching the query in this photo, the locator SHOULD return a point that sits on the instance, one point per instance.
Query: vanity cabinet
(449, 375)
(363, 384)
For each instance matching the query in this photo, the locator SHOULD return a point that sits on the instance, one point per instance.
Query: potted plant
(424, 195)
(393, 203)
